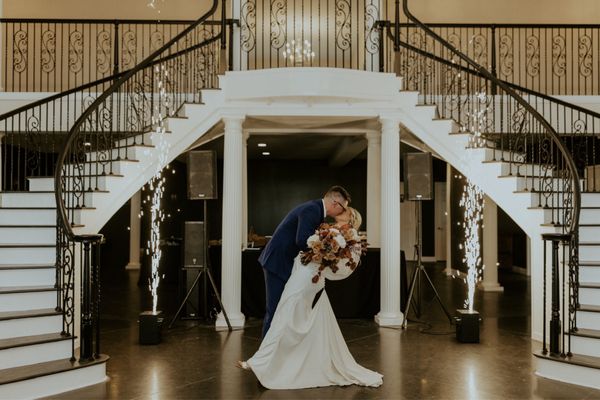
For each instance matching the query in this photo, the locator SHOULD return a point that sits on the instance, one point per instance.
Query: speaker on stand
(202, 185)
(418, 186)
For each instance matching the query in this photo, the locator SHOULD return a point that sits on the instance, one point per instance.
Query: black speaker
(418, 177)
(202, 175)
(194, 244)
(193, 258)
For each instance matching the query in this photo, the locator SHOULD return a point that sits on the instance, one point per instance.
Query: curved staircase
(107, 161)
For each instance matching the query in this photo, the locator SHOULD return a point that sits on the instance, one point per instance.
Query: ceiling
(336, 139)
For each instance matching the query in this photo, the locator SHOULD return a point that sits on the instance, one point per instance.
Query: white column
(2, 46)
(374, 189)
(1, 137)
(536, 252)
(134, 231)
(390, 314)
(238, 59)
(245, 190)
(448, 269)
(490, 247)
(231, 256)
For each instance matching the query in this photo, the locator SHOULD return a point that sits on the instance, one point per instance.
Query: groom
(290, 238)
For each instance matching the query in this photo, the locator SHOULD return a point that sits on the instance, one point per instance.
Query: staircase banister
(574, 226)
(82, 118)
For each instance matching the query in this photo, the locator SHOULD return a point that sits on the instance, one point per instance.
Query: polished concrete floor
(423, 362)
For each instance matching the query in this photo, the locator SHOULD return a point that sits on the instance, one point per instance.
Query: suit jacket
(290, 238)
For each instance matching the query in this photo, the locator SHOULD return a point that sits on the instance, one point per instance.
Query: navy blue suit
(277, 258)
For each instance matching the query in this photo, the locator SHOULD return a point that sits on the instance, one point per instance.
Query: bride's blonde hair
(355, 218)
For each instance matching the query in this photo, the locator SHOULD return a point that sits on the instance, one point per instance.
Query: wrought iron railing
(548, 58)
(54, 55)
(78, 136)
(116, 120)
(503, 118)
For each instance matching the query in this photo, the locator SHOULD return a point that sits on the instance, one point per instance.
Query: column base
(237, 321)
(490, 287)
(389, 319)
(133, 266)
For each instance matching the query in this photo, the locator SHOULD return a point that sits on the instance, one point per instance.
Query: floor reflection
(424, 361)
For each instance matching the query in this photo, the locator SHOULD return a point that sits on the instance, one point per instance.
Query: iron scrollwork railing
(548, 58)
(500, 117)
(117, 119)
(341, 33)
(54, 55)
(78, 135)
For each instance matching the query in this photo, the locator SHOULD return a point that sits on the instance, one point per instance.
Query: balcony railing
(52, 55)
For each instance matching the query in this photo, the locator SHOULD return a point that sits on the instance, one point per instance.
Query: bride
(304, 347)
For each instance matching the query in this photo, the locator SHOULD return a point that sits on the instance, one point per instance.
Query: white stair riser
(54, 384)
(30, 326)
(41, 184)
(588, 320)
(589, 296)
(590, 199)
(498, 155)
(28, 277)
(91, 183)
(589, 216)
(108, 168)
(27, 217)
(27, 301)
(585, 345)
(20, 235)
(26, 355)
(589, 234)
(589, 274)
(589, 253)
(28, 255)
(27, 199)
(569, 373)
(524, 169)
(128, 153)
(528, 183)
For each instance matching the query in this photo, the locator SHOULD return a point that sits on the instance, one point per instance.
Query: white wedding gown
(304, 346)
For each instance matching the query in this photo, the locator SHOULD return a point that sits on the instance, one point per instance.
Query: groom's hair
(338, 190)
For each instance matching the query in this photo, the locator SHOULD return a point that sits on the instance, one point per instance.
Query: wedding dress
(304, 347)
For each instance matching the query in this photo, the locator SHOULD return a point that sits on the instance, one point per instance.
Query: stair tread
(17, 374)
(589, 263)
(590, 333)
(589, 243)
(27, 226)
(589, 285)
(589, 307)
(31, 340)
(42, 312)
(26, 266)
(103, 162)
(26, 289)
(575, 359)
(26, 245)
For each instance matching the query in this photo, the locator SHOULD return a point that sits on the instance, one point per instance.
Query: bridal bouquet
(332, 247)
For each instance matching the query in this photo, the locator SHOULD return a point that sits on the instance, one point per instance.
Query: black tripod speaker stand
(415, 284)
(203, 271)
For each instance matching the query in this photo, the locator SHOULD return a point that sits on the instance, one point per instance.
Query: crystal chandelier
(299, 52)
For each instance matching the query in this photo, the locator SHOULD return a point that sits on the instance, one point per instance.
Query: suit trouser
(274, 285)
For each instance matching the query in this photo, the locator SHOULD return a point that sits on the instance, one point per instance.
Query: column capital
(233, 122)
(373, 137)
(245, 135)
(389, 124)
